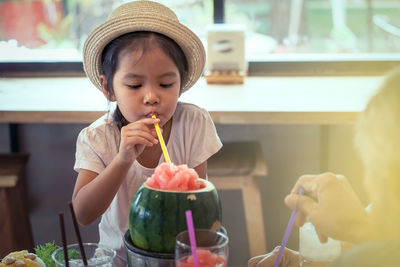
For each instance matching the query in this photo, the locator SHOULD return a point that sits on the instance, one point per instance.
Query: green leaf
(44, 252)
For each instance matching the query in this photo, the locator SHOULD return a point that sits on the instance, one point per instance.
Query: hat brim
(190, 44)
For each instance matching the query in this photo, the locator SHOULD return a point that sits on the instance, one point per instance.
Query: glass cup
(96, 255)
(212, 249)
(313, 253)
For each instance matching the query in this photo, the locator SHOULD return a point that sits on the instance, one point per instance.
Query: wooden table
(260, 100)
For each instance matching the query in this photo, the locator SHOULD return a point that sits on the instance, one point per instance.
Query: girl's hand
(135, 137)
(290, 258)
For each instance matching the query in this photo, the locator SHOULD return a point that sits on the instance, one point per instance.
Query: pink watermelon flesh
(168, 176)
(205, 258)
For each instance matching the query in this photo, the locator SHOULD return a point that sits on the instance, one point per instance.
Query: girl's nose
(150, 97)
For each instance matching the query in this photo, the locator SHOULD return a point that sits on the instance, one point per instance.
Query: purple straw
(287, 233)
(192, 237)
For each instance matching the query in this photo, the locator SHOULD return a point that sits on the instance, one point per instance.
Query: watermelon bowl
(157, 216)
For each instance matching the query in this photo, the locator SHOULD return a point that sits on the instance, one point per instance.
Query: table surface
(260, 100)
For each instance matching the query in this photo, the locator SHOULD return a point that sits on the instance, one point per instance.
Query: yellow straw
(161, 139)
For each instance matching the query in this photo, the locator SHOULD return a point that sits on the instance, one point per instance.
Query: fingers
(269, 258)
(292, 258)
(301, 219)
(149, 121)
(312, 184)
(264, 260)
(305, 181)
(140, 132)
(303, 204)
(322, 238)
(138, 136)
(253, 261)
(289, 258)
(306, 207)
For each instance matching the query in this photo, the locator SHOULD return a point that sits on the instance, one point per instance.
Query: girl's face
(146, 84)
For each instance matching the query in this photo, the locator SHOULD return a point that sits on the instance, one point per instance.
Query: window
(320, 26)
(55, 30)
(278, 31)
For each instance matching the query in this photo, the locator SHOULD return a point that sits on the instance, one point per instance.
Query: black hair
(141, 40)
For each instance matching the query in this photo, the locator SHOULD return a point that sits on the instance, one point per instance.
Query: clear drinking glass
(96, 255)
(212, 249)
(313, 253)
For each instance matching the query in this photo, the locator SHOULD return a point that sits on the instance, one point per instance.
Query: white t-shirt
(192, 141)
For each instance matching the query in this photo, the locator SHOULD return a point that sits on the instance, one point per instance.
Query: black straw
(78, 234)
(64, 238)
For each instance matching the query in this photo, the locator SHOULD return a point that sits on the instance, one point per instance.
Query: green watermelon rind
(157, 216)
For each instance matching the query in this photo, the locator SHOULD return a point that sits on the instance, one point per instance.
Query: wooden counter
(260, 100)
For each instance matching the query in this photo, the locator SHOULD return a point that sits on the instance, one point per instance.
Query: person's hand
(135, 137)
(290, 258)
(332, 206)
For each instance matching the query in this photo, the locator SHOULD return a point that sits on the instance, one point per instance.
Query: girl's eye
(166, 85)
(134, 86)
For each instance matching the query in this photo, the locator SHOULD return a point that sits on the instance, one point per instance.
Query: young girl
(142, 58)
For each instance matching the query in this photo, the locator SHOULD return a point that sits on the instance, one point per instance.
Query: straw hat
(143, 16)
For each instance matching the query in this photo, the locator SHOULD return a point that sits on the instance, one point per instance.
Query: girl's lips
(151, 114)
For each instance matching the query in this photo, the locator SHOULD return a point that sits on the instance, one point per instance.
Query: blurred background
(54, 30)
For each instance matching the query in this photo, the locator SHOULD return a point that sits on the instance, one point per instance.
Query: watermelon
(205, 258)
(156, 216)
(172, 177)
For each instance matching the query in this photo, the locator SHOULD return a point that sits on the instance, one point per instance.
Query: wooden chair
(236, 167)
(15, 228)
